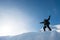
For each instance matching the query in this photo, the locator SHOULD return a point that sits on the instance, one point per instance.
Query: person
(46, 23)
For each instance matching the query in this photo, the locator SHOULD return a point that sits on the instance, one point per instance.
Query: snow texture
(48, 35)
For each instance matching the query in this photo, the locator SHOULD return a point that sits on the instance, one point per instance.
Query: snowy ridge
(48, 35)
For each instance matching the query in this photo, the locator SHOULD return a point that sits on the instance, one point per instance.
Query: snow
(47, 35)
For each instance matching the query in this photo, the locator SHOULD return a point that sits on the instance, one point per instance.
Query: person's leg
(44, 27)
(49, 27)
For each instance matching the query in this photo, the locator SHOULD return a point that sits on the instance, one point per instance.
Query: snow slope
(53, 35)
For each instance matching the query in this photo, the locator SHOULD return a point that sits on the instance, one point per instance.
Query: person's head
(45, 20)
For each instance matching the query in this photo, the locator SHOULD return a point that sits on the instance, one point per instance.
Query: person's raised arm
(49, 18)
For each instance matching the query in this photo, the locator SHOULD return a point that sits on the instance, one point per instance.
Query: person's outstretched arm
(41, 22)
(49, 18)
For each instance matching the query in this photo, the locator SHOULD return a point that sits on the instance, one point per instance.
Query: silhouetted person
(46, 23)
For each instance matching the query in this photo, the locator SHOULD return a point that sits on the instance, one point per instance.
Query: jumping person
(46, 23)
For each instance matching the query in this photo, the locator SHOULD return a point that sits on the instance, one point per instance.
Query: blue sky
(29, 12)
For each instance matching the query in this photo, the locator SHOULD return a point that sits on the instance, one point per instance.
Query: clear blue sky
(35, 10)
